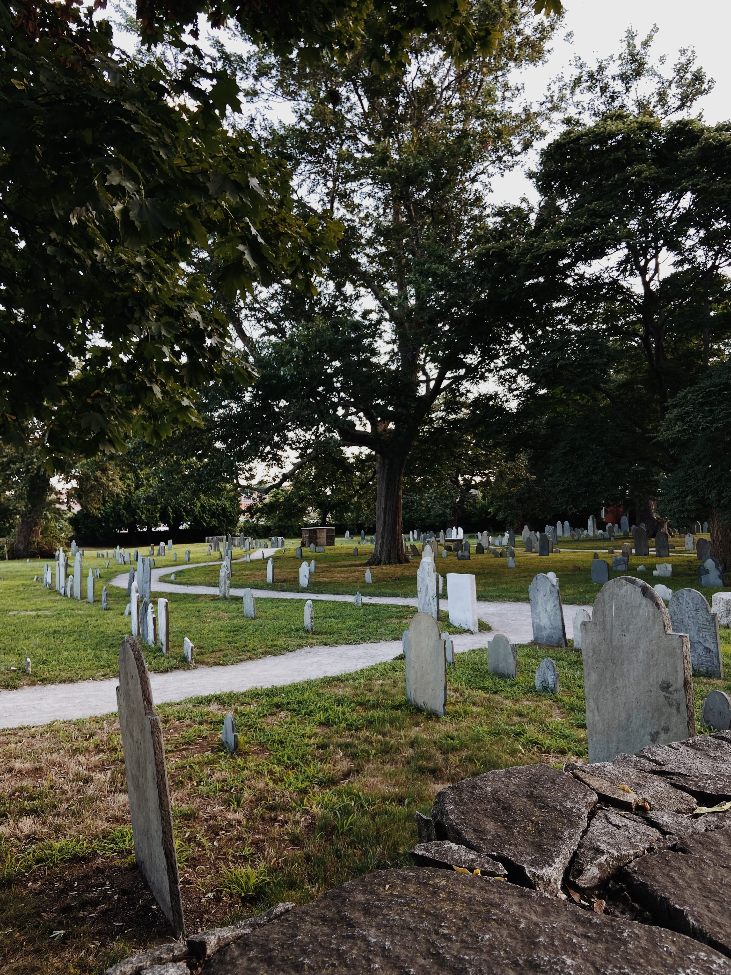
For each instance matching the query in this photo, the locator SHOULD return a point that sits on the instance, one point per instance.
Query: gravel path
(44, 703)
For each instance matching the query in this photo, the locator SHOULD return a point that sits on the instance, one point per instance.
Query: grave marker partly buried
(637, 674)
(547, 676)
(147, 785)
(546, 612)
(691, 614)
(717, 711)
(426, 668)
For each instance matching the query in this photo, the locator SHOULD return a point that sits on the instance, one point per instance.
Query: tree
(403, 160)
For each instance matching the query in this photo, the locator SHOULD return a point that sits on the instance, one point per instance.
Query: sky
(598, 27)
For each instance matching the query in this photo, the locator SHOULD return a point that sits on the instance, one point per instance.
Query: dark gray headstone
(479, 549)
(642, 546)
(228, 734)
(543, 544)
(703, 549)
(662, 545)
(717, 710)
(599, 571)
(620, 564)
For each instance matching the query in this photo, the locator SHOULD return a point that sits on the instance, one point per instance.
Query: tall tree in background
(402, 156)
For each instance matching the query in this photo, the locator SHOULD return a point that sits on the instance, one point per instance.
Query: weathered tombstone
(717, 711)
(298, 553)
(355, 551)
(546, 612)
(134, 611)
(163, 625)
(249, 604)
(426, 665)
(448, 649)
(147, 785)
(529, 543)
(689, 543)
(313, 566)
(547, 677)
(149, 627)
(479, 549)
(566, 529)
(187, 555)
(721, 606)
(642, 546)
(624, 524)
(304, 575)
(703, 549)
(224, 581)
(710, 575)
(462, 601)
(309, 617)
(662, 545)
(188, 649)
(559, 529)
(591, 526)
(27, 667)
(270, 572)
(502, 657)
(553, 577)
(368, 577)
(358, 599)
(90, 586)
(426, 585)
(580, 616)
(620, 564)
(664, 592)
(599, 571)
(690, 613)
(637, 672)
(510, 562)
(663, 570)
(77, 576)
(362, 536)
(228, 734)
(543, 544)
(705, 527)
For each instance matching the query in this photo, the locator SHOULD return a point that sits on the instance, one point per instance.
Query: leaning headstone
(147, 785)
(717, 711)
(502, 657)
(543, 544)
(690, 613)
(249, 604)
(270, 571)
(309, 617)
(462, 601)
(188, 649)
(547, 677)
(599, 571)
(662, 545)
(637, 672)
(163, 625)
(228, 734)
(546, 612)
(426, 585)
(304, 575)
(642, 546)
(105, 598)
(710, 575)
(368, 577)
(426, 665)
(580, 616)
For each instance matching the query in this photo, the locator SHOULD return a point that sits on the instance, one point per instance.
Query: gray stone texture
(613, 839)
(690, 613)
(642, 547)
(502, 657)
(662, 545)
(637, 675)
(717, 710)
(546, 612)
(546, 680)
(599, 571)
(426, 670)
(147, 786)
(443, 853)
(623, 784)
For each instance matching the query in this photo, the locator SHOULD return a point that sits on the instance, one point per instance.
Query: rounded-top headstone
(580, 616)
(717, 711)
(502, 657)
(547, 676)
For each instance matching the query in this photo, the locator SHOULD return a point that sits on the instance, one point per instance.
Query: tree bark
(720, 539)
(389, 548)
(28, 531)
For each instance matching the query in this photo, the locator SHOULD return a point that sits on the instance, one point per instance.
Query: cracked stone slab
(700, 765)
(684, 887)
(442, 853)
(623, 783)
(531, 818)
(674, 824)
(422, 921)
(613, 839)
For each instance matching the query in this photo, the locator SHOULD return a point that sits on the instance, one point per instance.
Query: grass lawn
(324, 787)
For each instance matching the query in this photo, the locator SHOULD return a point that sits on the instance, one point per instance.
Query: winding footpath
(43, 703)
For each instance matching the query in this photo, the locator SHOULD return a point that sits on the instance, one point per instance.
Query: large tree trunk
(28, 531)
(389, 548)
(720, 539)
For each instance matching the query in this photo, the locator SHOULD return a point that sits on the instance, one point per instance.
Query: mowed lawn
(324, 787)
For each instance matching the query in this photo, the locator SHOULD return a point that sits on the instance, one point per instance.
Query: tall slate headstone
(580, 616)
(426, 665)
(229, 738)
(624, 525)
(90, 586)
(147, 784)
(105, 599)
(426, 585)
(77, 576)
(309, 617)
(270, 571)
(188, 649)
(462, 601)
(717, 711)
(163, 625)
(544, 545)
(642, 546)
(546, 612)
(637, 672)
(662, 545)
(690, 613)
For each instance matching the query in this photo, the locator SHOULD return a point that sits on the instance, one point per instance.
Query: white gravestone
(580, 616)
(105, 598)
(77, 576)
(426, 665)
(270, 572)
(163, 625)
(147, 785)
(546, 612)
(691, 614)
(368, 577)
(90, 587)
(249, 605)
(664, 592)
(358, 599)
(304, 575)
(134, 611)
(309, 617)
(637, 673)
(721, 606)
(188, 649)
(462, 601)
(426, 585)
(150, 625)
(502, 657)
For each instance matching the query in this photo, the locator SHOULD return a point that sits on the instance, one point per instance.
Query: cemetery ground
(325, 785)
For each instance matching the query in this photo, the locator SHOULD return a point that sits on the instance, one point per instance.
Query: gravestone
(637, 672)
(689, 543)
(90, 587)
(448, 649)
(664, 592)
(705, 527)
(626, 551)
(663, 570)
(270, 571)
(662, 545)
(543, 544)
(249, 605)
(529, 543)
(690, 613)
(27, 667)
(547, 677)
(77, 576)
(147, 785)
(426, 665)
(462, 601)
(224, 581)
(703, 549)
(502, 657)
(566, 529)
(624, 525)
(355, 552)
(721, 606)
(134, 611)
(148, 620)
(163, 625)
(642, 546)
(717, 711)
(599, 571)
(105, 598)
(620, 564)
(309, 617)
(580, 616)
(304, 575)
(358, 599)
(362, 536)
(553, 577)
(546, 612)
(710, 575)
(187, 555)
(228, 734)
(426, 585)
(368, 577)
(188, 649)
(298, 553)
(591, 525)
(559, 529)
(479, 549)
(313, 566)
(510, 562)
(130, 579)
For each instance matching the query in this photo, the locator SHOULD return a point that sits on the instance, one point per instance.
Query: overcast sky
(598, 27)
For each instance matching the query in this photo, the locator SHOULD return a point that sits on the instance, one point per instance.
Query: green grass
(324, 787)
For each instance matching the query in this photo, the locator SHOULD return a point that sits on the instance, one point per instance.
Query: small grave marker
(690, 613)
(717, 711)
(188, 649)
(502, 657)
(309, 616)
(249, 605)
(547, 676)
(228, 734)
